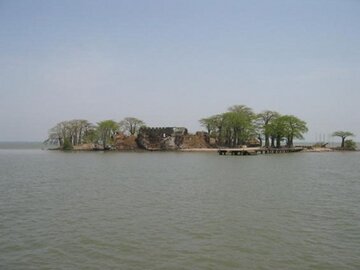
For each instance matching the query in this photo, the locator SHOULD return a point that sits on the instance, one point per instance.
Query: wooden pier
(250, 151)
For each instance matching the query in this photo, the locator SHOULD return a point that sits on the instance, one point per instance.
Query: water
(23, 145)
(179, 210)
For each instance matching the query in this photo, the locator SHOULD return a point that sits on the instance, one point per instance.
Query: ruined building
(165, 138)
(171, 138)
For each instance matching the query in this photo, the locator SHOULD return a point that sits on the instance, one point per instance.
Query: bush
(350, 145)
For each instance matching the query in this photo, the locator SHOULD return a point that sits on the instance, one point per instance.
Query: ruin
(165, 138)
(123, 142)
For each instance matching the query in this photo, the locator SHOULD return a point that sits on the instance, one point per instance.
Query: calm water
(178, 211)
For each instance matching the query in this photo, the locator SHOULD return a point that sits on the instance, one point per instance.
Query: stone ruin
(171, 138)
(164, 138)
(123, 142)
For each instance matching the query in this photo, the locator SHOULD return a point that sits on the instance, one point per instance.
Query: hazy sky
(171, 63)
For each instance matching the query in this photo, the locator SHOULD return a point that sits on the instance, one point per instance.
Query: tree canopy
(73, 132)
(343, 135)
(263, 120)
(131, 125)
(240, 125)
(106, 130)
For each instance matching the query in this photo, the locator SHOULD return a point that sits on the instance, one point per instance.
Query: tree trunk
(61, 142)
(266, 140)
(272, 141)
(80, 136)
(343, 142)
(219, 136)
(289, 142)
(278, 142)
(104, 142)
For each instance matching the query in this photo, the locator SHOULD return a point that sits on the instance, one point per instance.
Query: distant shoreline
(19, 145)
(198, 150)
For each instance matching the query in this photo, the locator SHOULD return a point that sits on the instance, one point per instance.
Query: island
(239, 129)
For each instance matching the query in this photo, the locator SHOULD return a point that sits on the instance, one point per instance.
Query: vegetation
(131, 125)
(240, 125)
(288, 128)
(213, 125)
(350, 145)
(72, 131)
(264, 120)
(68, 134)
(343, 135)
(106, 131)
(67, 145)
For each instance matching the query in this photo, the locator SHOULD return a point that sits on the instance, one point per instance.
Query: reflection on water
(179, 211)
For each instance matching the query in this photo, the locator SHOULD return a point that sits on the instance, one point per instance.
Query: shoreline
(195, 150)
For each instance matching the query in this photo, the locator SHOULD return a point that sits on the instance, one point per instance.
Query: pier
(250, 151)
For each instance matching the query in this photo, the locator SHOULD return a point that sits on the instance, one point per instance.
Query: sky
(171, 63)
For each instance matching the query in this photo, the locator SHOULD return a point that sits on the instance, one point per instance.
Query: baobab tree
(264, 119)
(106, 130)
(343, 135)
(131, 125)
(286, 127)
(71, 131)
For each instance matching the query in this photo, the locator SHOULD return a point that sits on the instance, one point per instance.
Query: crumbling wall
(198, 140)
(167, 138)
(123, 142)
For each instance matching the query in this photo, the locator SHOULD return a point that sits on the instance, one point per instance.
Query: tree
(264, 119)
(242, 109)
(106, 130)
(294, 129)
(240, 124)
(70, 131)
(81, 128)
(276, 131)
(234, 127)
(286, 127)
(343, 135)
(211, 124)
(237, 126)
(90, 135)
(131, 125)
(207, 123)
(59, 133)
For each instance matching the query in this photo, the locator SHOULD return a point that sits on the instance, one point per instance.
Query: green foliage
(91, 136)
(213, 125)
(240, 124)
(343, 135)
(350, 145)
(73, 131)
(288, 127)
(263, 121)
(106, 130)
(67, 145)
(237, 127)
(233, 127)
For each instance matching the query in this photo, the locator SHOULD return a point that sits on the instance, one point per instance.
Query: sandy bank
(318, 150)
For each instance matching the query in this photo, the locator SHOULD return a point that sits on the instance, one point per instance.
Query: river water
(179, 210)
